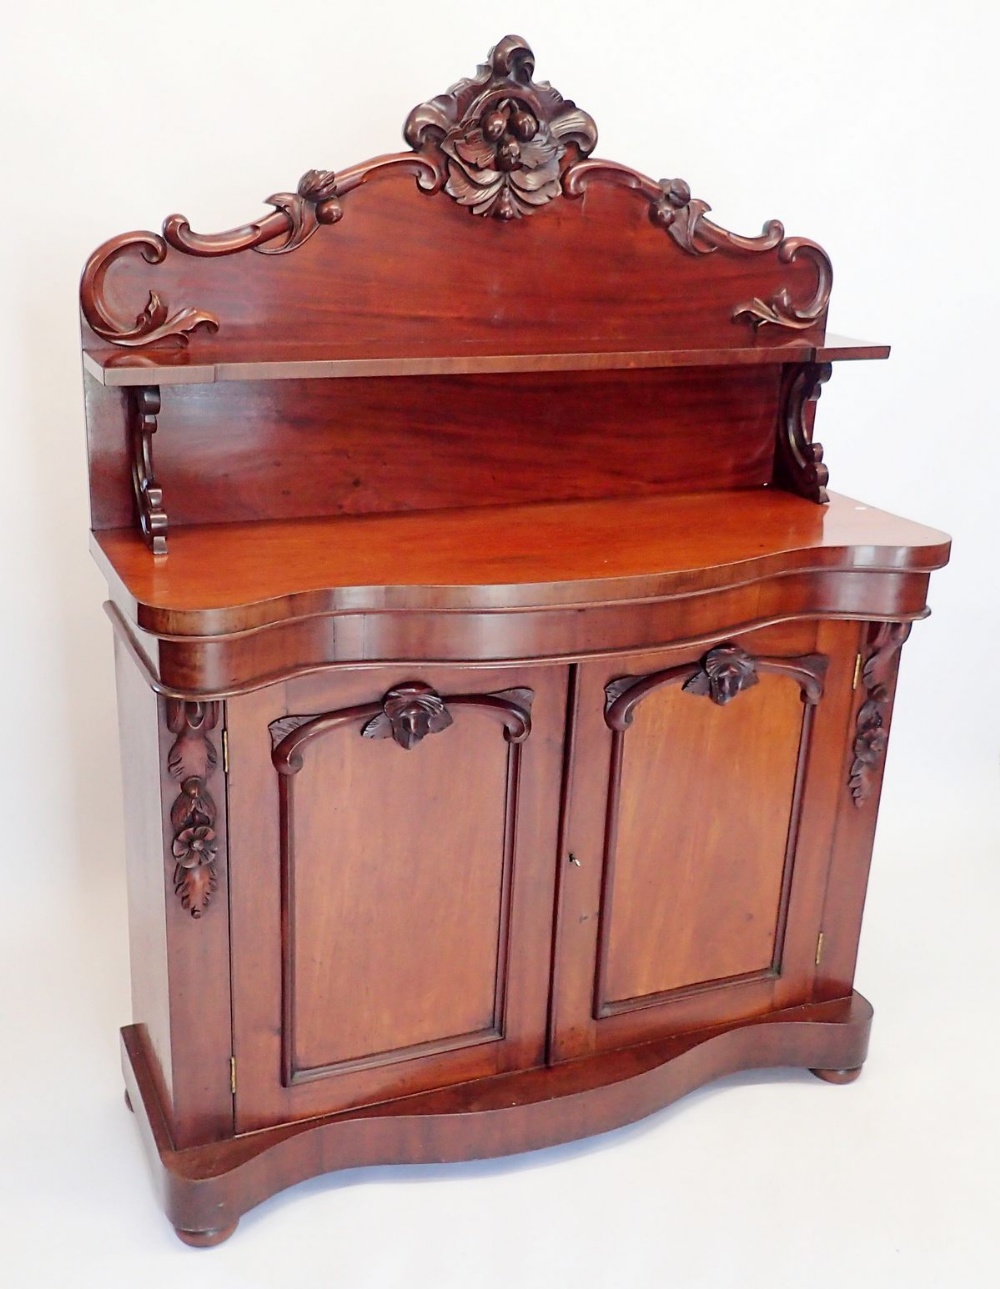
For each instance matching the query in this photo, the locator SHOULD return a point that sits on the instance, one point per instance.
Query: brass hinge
(225, 751)
(819, 948)
(857, 671)
(232, 1075)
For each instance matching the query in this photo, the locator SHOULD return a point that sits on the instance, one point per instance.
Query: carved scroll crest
(499, 144)
(503, 135)
(871, 731)
(191, 761)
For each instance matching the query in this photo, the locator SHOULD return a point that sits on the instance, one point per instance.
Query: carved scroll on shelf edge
(684, 218)
(295, 218)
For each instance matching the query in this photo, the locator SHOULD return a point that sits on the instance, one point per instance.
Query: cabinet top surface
(232, 577)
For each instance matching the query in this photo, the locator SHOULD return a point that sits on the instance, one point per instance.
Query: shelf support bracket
(143, 412)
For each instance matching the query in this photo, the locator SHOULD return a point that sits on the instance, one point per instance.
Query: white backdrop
(870, 127)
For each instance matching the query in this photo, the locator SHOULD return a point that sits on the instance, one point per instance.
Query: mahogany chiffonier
(504, 705)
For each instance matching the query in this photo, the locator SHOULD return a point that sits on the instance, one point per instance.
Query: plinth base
(204, 1190)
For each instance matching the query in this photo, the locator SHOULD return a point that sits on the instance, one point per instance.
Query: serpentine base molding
(206, 1189)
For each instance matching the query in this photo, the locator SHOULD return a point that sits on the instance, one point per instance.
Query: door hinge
(225, 751)
(857, 671)
(232, 1075)
(819, 951)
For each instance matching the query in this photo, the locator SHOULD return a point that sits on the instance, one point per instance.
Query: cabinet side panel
(138, 726)
(703, 820)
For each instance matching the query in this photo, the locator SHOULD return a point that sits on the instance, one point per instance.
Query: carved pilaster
(871, 731)
(144, 410)
(191, 761)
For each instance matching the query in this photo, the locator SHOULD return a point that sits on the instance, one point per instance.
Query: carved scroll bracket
(191, 761)
(722, 674)
(152, 519)
(798, 461)
(871, 733)
(407, 714)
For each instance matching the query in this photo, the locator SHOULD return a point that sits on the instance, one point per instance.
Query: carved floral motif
(503, 135)
(871, 731)
(408, 715)
(724, 673)
(190, 761)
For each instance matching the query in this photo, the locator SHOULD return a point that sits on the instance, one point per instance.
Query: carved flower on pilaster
(195, 846)
(725, 672)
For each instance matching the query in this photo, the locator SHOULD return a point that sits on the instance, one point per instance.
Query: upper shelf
(230, 360)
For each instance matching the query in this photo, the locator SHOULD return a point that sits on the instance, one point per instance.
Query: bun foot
(128, 1101)
(206, 1239)
(838, 1076)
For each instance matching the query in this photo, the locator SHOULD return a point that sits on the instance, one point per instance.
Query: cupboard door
(394, 835)
(700, 807)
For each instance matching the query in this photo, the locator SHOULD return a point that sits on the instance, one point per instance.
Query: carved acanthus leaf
(503, 136)
(286, 725)
(155, 322)
(871, 731)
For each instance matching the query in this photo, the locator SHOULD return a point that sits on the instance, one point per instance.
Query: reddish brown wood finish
(180, 965)
(416, 892)
(502, 735)
(208, 1188)
(288, 449)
